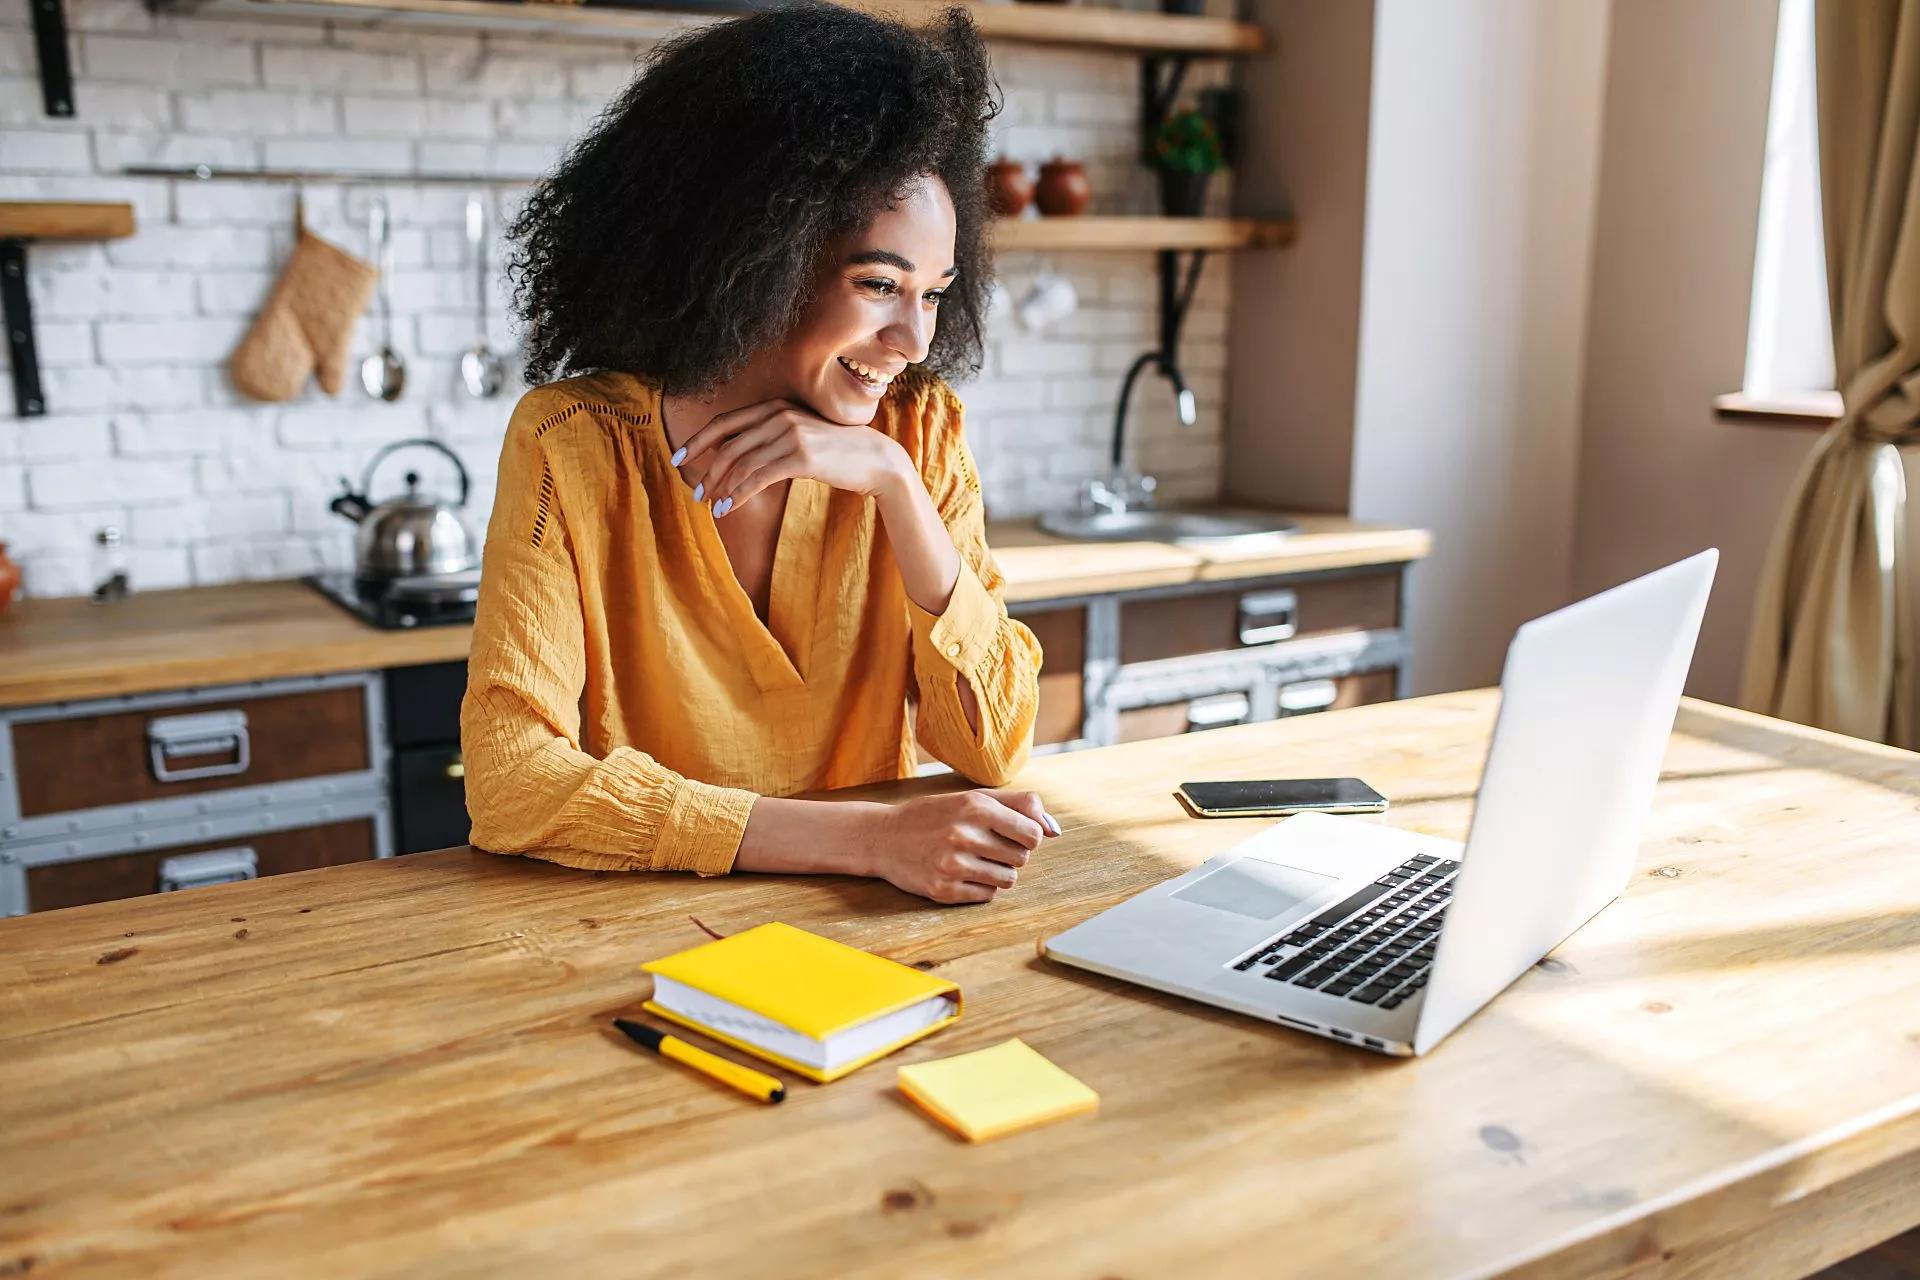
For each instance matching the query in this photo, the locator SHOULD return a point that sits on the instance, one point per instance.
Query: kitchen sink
(1210, 525)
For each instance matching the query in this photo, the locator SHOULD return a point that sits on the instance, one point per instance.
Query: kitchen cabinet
(1128, 666)
(114, 797)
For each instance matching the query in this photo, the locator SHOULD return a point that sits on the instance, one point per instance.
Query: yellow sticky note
(990, 1092)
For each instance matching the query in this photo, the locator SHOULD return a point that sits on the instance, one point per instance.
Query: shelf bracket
(1160, 77)
(28, 401)
(50, 43)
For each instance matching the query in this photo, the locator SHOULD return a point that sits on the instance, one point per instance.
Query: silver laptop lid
(1587, 702)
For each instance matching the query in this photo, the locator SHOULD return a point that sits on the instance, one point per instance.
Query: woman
(724, 556)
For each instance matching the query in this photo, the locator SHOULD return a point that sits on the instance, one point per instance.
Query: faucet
(1124, 490)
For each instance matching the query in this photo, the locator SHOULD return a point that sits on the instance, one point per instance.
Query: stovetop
(404, 602)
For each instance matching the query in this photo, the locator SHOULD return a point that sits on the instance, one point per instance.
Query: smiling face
(875, 304)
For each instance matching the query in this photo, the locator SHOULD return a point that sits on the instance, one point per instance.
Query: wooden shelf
(65, 220)
(1096, 233)
(24, 221)
(1808, 410)
(1082, 25)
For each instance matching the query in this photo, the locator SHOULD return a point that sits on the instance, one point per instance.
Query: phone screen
(1262, 795)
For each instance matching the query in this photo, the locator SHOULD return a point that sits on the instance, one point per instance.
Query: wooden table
(405, 1068)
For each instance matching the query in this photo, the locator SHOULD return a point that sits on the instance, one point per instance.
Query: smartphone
(1272, 796)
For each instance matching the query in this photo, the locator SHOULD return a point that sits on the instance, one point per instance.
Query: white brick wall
(146, 433)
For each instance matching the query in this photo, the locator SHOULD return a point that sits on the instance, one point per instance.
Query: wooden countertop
(406, 1068)
(55, 650)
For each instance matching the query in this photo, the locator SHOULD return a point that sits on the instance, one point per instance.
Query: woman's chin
(845, 412)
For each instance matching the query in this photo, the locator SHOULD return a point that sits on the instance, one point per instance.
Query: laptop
(1387, 939)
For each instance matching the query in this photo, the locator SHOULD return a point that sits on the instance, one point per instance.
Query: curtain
(1833, 640)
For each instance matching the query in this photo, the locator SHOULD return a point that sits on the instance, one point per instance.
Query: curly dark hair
(684, 231)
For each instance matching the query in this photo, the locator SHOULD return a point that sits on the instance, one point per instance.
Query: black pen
(755, 1084)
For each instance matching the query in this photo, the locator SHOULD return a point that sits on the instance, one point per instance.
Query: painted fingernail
(699, 489)
(723, 506)
(679, 455)
(1051, 824)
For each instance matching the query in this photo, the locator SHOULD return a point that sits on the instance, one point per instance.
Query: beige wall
(1660, 477)
(1294, 325)
(1480, 196)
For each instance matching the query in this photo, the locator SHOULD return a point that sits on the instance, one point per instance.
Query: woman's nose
(911, 333)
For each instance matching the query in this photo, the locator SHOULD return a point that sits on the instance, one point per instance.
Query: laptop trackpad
(1250, 887)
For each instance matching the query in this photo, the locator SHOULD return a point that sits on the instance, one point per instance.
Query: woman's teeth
(872, 377)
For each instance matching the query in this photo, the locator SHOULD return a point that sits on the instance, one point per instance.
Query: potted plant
(1185, 151)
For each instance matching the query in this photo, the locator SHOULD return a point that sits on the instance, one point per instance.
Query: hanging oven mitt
(307, 323)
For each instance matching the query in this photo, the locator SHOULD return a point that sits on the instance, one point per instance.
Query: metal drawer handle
(1218, 711)
(1307, 697)
(1267, 616)
(215, 866)
(171, 737)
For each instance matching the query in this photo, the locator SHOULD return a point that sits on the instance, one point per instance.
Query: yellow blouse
(625, 703)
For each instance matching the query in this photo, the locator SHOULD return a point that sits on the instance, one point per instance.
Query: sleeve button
(953, 650)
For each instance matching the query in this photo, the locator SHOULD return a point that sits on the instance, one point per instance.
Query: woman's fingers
(1028, 803)
(759, 450)
(709, 471)
(978, 870)
(1019, 828)
(775, 460)
(727, 424)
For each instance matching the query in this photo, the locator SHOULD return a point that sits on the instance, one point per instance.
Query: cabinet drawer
(1176, 626)
(127, 757)
(1186, 716)
(132, 875)
(1062, 634)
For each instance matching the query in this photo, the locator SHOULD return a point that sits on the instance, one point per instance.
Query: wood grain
(1087, 26)
(53, 650)
(1096, 232)
(405, 1069)
(65, 220)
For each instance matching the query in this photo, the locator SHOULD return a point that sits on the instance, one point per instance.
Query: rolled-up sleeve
(972, 637)
(531, 788)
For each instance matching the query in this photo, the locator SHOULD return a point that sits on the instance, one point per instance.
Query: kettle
(413, 535)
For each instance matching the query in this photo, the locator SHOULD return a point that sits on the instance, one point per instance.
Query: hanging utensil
(480, 368)
(383, 374)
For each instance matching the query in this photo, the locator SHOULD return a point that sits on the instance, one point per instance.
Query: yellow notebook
(808, 1003)
(996, 1091)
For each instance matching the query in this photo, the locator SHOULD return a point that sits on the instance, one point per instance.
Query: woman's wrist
(813, 837)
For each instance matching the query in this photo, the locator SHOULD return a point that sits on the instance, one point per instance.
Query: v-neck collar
(778, 651)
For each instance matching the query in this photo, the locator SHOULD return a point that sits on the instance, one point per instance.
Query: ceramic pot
(1183, 194)
(1008, 188)
(9, 578)
(1064, 190)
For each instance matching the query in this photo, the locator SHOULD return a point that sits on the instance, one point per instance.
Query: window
(1789, 330)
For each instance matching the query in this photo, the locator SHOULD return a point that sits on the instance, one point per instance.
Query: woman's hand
(963, 846)
(744, 450)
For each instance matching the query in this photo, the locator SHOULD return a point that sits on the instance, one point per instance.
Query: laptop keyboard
(1376, 947)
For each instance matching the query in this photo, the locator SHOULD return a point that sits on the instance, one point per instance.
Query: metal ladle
(383, 374)
(480, 368)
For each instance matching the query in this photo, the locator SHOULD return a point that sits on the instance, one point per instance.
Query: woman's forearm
(929, 562)
(818, 837)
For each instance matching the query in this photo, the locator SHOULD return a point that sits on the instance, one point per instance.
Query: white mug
(1048, 300)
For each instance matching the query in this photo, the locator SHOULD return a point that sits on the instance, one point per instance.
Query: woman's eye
(936, 296)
